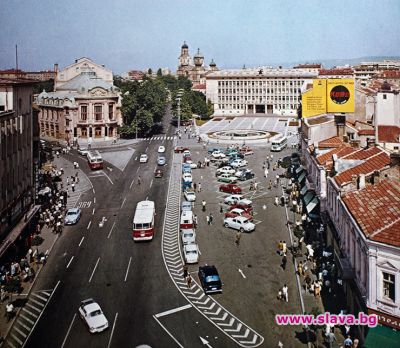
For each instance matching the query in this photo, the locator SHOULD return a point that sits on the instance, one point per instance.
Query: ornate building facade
(194, 68)
(84, 105)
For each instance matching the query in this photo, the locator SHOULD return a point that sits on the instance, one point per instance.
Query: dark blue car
(210, 279)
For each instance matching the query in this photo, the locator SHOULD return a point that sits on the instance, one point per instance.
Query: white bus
(143, 221)
(279, 144)
(95, 161)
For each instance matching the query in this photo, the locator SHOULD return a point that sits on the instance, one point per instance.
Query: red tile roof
(366, 132)
(388, 134)
(343, 71)
(326, 158)
(377, 211)
(199, 86)
(330, 142)
(377, 162)
(362, 154)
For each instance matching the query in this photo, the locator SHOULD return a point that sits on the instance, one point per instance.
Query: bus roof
(144, 212)
(94, 154)
(279, 139)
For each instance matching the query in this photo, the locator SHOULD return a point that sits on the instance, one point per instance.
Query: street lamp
(178, 99)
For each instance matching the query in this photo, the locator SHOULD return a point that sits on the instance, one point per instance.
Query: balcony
(80, 121)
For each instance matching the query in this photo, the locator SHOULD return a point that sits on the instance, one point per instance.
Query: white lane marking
(137, 170)
(93, 211)
(147, 148)
(155, 168)
(81, 241)
(94, 191)
(199, 251)
(171, 311)
(108, 178)
(165, 329)
(94, 269)
(69, 330)
(112, 331)
(123, 202)
(130, 186)
(70, 261)
(127, 270)
(135, 158)
(151, 183)
(241, 272)
(112, 227)
(88, 226)
(94, 200)
(147, 198)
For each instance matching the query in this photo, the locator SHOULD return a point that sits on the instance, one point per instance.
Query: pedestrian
(189, 281)
(284, 247)
(199, 187)
(317, 289)
(330, 339)
(9, 311)
(237, 238)
(208, 220)
(185, 271)
(280, 248)
(139, 180)
(73, 187)
(307, 280)
(348, 342)
(195, 221)
(194, 186)
(284, 261)
(266, 173)
(277, 179)
(285, 293)
(255, 186)
(221, 209)
(211, 219)
(270, 185)
(276, 200)
(282, 200)
(67, 181)
(203, 204)
(300, 269)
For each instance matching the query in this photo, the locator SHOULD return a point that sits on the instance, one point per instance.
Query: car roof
(191, 247)
(240, 218)
(73, 210)
(143, 155)
(209, 269)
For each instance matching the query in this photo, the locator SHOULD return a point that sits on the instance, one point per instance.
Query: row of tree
(144, 103)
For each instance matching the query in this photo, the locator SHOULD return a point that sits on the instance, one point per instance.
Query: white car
(227, 178)
(143, 158)
(239, 223)
(191, 253)
(189, 195)
(218, 154)
(241, 171)
(83, 151)
(161, 149)
(188, 236)
(238, 163)
(245, 201)
(232, 199)
(225, 170)
(93, 316)
(186, 153)
(192, 164)
(187, 177)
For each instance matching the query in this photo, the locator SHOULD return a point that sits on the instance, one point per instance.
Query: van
(279, 144)
(186, 221)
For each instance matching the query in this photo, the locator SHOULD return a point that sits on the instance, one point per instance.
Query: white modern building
(263, 90)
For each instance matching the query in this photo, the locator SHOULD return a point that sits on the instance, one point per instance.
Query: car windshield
(188, 235)
(212, 279)
(95, 313)
(191, 252)
(71, 213)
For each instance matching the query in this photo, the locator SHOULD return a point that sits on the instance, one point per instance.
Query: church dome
(198, 54)
(185, 45)
(212, 64)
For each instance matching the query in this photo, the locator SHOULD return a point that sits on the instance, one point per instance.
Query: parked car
(72, 216)
(245, 175)
(189, 195)
(225, 170)
(210, 279)
(240, 171)
(186, 168)
(93, 316)
(227, 178)
(236, 156)
(143, 158)
(158, 173)
(218, 154)
(238, 212)
(187, 159)
(246, 151)
(186, 153)
(210, 150)
(244, 203)
(180, 149)
(248, 210)
(161, 149)
(230, 188)
(238, 163)
(188, 236)
(187, 177)
(83, 151)
(192, 164)
(186, 206)
(239, 223)
(191, 253)
(161, 160)
(233, 199)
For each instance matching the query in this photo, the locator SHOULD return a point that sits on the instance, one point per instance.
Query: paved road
(131, 282)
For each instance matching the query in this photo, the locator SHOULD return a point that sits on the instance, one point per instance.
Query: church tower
(198, 59)
(184, 58)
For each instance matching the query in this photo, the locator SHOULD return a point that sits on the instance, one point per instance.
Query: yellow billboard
(328, 96)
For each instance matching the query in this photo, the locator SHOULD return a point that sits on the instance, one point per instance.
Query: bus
(143, 221)
(279, 144)
(95, 160)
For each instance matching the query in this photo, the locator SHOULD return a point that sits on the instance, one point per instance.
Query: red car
(185, 159)
(247, 208)
(238, 212)
(180, 149)
(230, 188)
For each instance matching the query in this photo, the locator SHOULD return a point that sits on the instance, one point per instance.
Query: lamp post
(178, 99)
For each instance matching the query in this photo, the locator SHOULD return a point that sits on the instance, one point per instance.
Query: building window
(384, 96)
(98, 111)
(111, 111)
(84, 112)
(97, 132)
(389, 286)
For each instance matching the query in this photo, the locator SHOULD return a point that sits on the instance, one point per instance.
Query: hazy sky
(132, 34)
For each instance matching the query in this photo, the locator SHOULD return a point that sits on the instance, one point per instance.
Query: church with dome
(194, 68)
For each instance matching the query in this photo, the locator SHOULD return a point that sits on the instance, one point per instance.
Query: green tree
(150, 72)
(159, 72)
(41, 86)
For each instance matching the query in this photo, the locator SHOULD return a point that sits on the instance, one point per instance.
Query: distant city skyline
(134, 35)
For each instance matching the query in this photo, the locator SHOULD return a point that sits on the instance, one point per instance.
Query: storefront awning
(302, 176)
(303, 190)
(382, 336)
(312, 204)
(299, 169)
(308, 197)
(345, 268)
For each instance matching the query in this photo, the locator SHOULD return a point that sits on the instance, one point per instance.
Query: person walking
(237, 238)
(139, 180)
(195, 186)
(211, 218)
(266, 173)
(73, 187)
(208, 219)
(284, 247)
(276, 200)
(300, 269)
(284, 262)
(270, 185)
(203, 203)
(348, 343)
(285, 293)
(199, 186)
(9, 311)
(195, 220)
(185, 271)
(189, 281)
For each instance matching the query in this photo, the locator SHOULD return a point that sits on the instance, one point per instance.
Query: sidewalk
(20, 300)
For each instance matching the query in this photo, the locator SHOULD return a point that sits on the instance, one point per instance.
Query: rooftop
(388, 134)
(376, 210)
(326, 158)
(16, 81)
(311, 121)
(342, 71)
(262, 72)
(330, 142)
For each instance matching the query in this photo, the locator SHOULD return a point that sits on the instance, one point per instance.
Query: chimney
(56, 68)
(394, 159)
(335, 163)
(375, 177)
(362, 182)
(354, 180)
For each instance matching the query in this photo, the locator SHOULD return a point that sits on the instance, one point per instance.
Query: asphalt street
(130, 280)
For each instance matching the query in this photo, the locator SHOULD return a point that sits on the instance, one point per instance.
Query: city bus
(279, 144)
(95, 160)
(143, 221)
